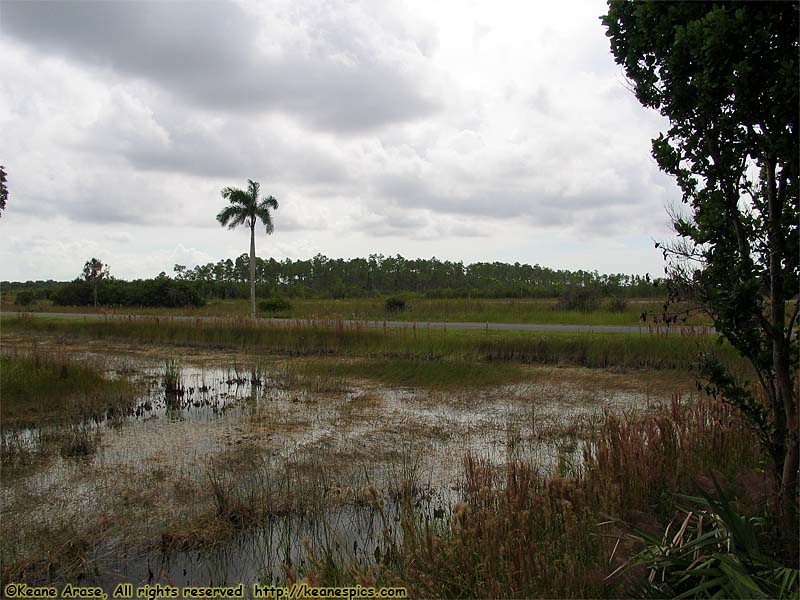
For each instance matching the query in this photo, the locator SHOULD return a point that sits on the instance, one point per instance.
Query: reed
(475, 310)
(517, 533)
(335, 338)
(45, 387)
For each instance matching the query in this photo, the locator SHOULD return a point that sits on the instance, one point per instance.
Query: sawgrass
(297, 338)
(519, 534)
(40, 388)
(438, 374)
(474, 310)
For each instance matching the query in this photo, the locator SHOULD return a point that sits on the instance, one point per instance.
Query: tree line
(323, 277)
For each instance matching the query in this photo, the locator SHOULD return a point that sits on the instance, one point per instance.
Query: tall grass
(48, 403)
(519, 534)
(303, 338)
(644, 462)
(477, 310)
(43, 387)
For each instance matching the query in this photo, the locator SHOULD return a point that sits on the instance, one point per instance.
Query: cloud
(566, 185)
(380, 127)
(121, 237)
(416, 224)
(336, 68)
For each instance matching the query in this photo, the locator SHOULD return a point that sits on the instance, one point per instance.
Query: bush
(24, 298)
(583, 299)
(617, 304)
(274, 305)
(395, 304)
(77, 293)
(140, 292)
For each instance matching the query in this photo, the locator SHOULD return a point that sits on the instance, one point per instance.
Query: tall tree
(246, 209)
(3, 189)
(94, 271)
(725, 74)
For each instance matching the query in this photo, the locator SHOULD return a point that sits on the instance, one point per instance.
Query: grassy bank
(478, 310)
(443, 374)
(303, 339)
(48, 404)
(41, 388)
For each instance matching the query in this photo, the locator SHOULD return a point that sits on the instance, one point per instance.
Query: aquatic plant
(172, 377)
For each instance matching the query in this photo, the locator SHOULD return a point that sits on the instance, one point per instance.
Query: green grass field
(589, 349)
(480, 310)
(42, 387)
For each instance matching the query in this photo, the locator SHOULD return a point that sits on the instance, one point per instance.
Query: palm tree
(245, 208)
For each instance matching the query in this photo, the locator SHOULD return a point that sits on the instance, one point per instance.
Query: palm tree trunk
(253, 269)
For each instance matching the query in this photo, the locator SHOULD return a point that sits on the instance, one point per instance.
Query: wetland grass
(173, 377)
(77, 439)
(474, 310)
(42, 387)
(415, 373)
(592, 349)
(516, 533)
(302, 508)
(512, 530)
(50, 404)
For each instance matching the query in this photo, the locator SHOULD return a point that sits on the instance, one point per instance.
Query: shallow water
(268, 432)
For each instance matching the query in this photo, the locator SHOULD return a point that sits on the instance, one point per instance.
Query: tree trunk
(94, 292)
(791, 461)
(785, 416)
(253, 269)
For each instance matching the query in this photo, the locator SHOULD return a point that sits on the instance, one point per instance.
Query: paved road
(407, 324)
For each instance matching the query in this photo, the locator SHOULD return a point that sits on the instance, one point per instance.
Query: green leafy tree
(94, 271)
(246, 209)
(725, 74)
(3, 189)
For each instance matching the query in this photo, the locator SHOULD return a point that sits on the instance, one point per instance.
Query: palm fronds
(232, 216)
(262, 212)
(244, 207)
(713, 554)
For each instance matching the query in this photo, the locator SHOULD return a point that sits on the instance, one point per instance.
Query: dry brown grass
(643, 461)
(519, 534)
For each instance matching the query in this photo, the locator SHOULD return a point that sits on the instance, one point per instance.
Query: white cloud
(380, 127)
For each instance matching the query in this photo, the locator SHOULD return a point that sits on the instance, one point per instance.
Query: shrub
(141, 292)
(395, 304)
(274, 305)
(76, 293)
(617, 304)
(24, 298)
(583, 299)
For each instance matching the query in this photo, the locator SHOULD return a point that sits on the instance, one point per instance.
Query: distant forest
(323, 277)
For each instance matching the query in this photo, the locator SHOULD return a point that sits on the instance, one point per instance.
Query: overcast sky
(473, 131)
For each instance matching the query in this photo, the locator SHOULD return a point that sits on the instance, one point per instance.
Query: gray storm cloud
(209, 54)
(390, 125)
